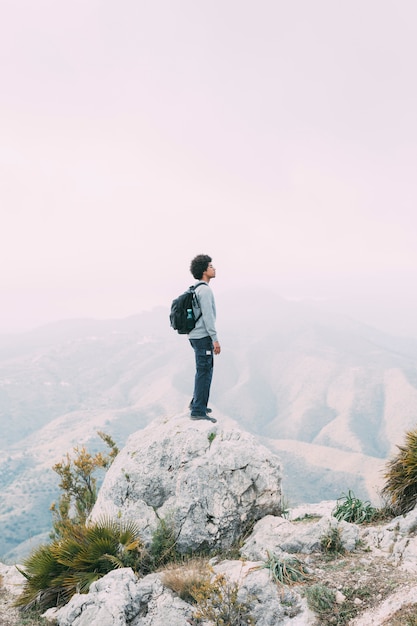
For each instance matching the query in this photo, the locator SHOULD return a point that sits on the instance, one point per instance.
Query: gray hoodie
(206, 324)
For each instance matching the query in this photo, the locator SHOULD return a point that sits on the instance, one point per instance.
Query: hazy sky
(278, 136)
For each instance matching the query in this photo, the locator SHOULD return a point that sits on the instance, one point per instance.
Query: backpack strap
(193, 288)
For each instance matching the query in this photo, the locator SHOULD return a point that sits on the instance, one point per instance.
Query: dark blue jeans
(203, 350)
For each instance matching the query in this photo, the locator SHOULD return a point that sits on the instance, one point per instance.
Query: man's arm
(206, 300)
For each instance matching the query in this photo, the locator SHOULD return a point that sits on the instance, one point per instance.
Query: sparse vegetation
(321, 600)
(79, 486)
(406, 616)
(217, 602)
(401, 476)
(331, 542)
(163, 547)
(185, 579)
(351, 509)
(308, 517)
(54, 572)
(30, 618)
(286, 570)
(80, 553)
(285, 507)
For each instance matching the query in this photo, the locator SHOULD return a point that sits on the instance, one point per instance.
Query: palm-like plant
(401, 476)
(351, 509)
(56, 571)
(284, 569)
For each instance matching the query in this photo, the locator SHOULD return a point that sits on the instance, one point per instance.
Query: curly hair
(199, 265)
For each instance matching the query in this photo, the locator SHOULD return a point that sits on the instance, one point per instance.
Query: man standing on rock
(203, 338)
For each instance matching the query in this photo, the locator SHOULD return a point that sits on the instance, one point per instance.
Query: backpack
(182, 317)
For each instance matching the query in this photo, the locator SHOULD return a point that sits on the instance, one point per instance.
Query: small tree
(79, 486)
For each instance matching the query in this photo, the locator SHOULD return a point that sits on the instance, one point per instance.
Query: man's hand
(216, 347)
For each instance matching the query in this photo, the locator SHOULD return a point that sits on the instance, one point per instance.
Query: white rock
(276, 534)
(340, 597)
(211, 482)
(121, 599)
(396, 539)
(317, 509)
(12, 579)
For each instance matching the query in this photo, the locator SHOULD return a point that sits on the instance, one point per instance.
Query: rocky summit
(220, 487)
(211, 483)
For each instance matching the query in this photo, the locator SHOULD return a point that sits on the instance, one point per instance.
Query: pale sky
(278, 136)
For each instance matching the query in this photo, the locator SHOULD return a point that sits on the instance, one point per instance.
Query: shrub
(217, 602)
(352, 509)
(188, 578)
(321, 600)
(54, 572)
(401, 476)
(286, 570)
(79, 486)
(331, 542)
(163, 546)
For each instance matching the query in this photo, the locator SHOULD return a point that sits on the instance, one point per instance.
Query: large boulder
(212, 483)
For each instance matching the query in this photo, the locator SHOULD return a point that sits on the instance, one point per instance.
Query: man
(203, 338)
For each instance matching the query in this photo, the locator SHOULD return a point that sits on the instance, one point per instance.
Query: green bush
(352, 509)
(401, 476)
(321, 600)
(331, 542)
(54, 572)
(163, 545)
(286, 570)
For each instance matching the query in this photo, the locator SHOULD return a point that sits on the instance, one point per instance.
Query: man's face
(211, 271)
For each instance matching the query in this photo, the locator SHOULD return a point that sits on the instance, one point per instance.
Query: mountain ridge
(297, 379)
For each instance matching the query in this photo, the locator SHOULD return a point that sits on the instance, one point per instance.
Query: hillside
(331, 396)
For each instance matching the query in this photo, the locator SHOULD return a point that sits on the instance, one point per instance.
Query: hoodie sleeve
(208, 310)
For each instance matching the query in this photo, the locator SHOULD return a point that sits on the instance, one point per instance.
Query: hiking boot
(204, 417)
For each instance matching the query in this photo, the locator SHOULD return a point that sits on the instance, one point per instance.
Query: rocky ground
(371, 591)
(365, 583)
(9, 616)
(10, 581)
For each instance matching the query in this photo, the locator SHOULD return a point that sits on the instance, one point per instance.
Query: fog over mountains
(332, 396)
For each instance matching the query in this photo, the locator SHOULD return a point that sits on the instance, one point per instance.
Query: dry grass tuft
(186, 578)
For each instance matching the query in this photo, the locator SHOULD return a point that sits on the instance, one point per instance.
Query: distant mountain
(332, 396)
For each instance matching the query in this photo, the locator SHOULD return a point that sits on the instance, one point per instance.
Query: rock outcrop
(276, 535)
(214, 484)
(210, 482)
(120, 599)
